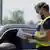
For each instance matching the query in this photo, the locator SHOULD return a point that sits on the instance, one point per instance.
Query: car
(11, 28)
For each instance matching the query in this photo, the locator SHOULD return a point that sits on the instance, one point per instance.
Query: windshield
(19, 12)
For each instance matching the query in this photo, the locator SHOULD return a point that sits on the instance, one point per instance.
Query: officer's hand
(28, 36)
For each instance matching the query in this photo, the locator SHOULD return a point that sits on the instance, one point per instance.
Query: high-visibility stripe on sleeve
(37, 33)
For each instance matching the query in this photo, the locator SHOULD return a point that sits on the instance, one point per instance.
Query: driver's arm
(46, 27)
(37, 35)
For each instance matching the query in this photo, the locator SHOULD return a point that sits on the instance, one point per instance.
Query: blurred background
(19, 12)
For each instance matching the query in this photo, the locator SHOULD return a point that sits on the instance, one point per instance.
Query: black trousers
(44, 48)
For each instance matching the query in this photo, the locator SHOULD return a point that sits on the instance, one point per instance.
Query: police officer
(42, 35)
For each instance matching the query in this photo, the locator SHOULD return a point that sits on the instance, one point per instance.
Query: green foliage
(17, 18)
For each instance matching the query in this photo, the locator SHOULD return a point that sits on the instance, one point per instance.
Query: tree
(17, 16)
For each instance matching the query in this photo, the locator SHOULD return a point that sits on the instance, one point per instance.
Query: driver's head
(42, 8)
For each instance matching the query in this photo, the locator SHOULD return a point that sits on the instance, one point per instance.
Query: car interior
(8, 38)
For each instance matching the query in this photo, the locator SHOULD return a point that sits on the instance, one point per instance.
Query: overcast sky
(25, 5)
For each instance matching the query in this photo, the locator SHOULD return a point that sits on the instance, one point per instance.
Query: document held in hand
(23, 34)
